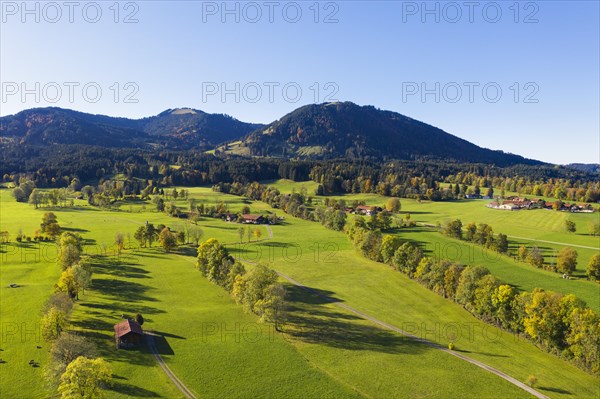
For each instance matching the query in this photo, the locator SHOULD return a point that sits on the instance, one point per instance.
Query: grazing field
(218, 350)
(379, 291)
(533, 228)
(521, 275)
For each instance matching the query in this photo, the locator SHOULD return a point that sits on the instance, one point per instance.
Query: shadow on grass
(162, 345)
(130, 390)
(139, 355)
(169, 335)
(75, 230)
(124, 269)
(186, 251)
(556, 390)
(480, 353)
(295, 296)
(310, 321)
(119, 290)
(123, 308)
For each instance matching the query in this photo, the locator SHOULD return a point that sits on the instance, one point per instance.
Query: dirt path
(180, 385)
(432, 344)
(554, 242)
(531, 239)
(385, 325)
(269, 230)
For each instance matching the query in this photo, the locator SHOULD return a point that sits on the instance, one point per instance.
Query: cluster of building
(365, 210)
(518, 203)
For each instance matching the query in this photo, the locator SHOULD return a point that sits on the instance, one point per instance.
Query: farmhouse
(367, 210)
(253, 219)
(513, 204)
(128, 334)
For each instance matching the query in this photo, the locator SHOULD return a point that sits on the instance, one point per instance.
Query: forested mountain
(318, 131)
(334, 130)
(174, 128)
(593, 168)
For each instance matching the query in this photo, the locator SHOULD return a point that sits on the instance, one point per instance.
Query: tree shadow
(186, 251)
(120, 290)
(557, 390)
(311, 321)
(277, 244)
(333, 329)
(123, 308)
(130, 390)
(480, 353)
(75, 229)
(127, 270)
(295, 295)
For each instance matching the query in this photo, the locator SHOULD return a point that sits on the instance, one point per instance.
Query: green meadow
(541, 228)
(217, 350)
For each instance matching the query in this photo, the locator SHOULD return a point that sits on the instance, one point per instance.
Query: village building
(367, 210)
(128, 334)
(516, 203)
(253, 219)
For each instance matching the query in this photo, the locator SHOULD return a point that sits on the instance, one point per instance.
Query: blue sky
(521, 77)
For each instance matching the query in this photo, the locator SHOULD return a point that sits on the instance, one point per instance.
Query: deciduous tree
(167, 239)
(593, 268)
(393, 205)
(53, 323)
(84, 379)
(567, 260)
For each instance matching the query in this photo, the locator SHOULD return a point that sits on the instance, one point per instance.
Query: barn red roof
(127, 326)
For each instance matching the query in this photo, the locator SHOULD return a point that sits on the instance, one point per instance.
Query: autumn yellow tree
(84, 379)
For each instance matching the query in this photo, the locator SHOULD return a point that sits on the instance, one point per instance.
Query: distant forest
(57, 166)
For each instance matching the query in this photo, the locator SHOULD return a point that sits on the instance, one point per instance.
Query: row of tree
(257, 290)
(295, 204)
(68, 166)
(481, 234)
(74, 368)
(560, 324)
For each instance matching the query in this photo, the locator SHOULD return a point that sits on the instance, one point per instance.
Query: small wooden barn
(128, 334)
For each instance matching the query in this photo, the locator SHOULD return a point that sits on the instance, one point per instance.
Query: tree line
(59, 166)
(74, 369)
(257, 290)
(560, 324)
(483, 234)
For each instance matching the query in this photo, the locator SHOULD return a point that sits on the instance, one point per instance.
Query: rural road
(180, 385)
(477, 363)
(554, 242)
(383, 324)
(531, 239)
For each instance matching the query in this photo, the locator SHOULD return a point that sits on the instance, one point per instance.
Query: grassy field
(217, 350)
(177, 303)
(533, 228)
(328, 263)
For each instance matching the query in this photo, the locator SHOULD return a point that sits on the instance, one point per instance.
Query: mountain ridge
(348, 130)
(314, 131)
(170, 128)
